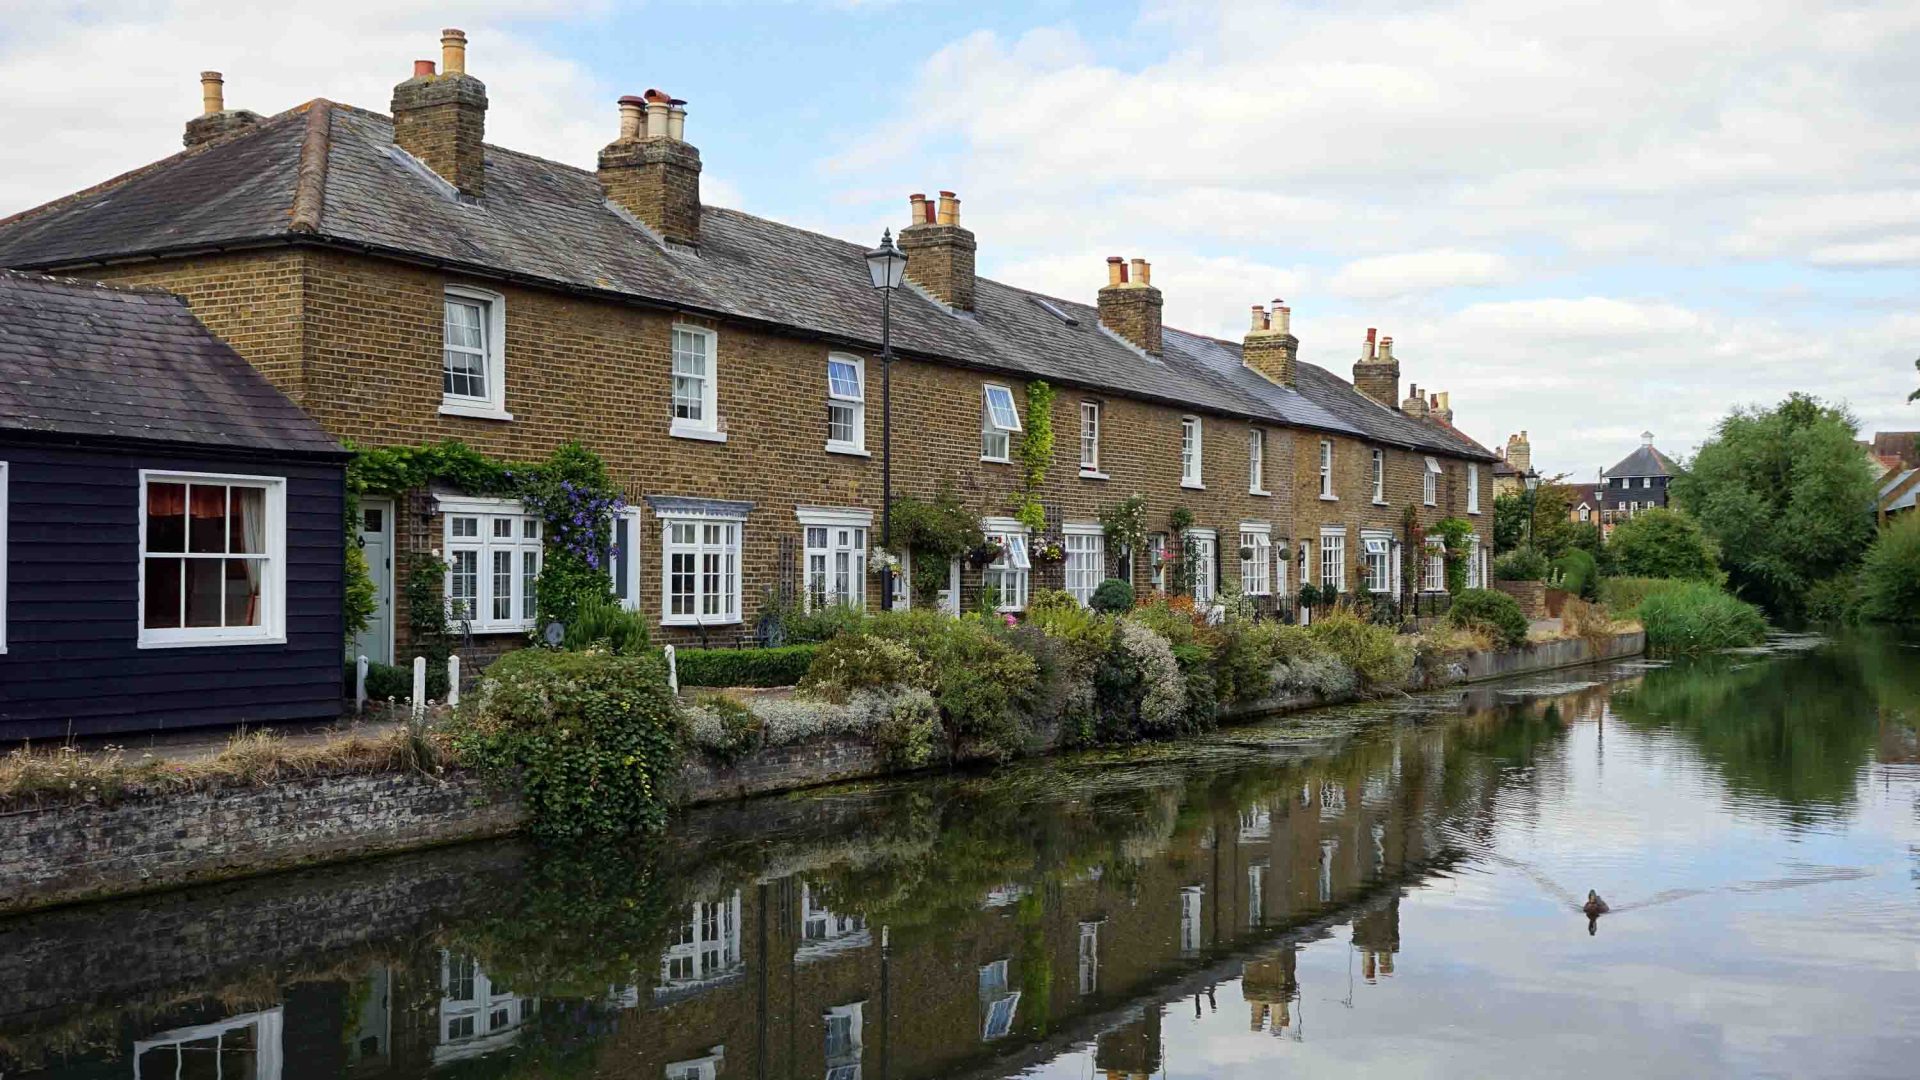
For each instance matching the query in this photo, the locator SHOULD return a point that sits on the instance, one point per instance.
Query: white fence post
(419, 687)
(360, 685)
(673, 671)
(453, 681)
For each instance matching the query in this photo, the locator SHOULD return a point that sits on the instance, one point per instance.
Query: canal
(1390, 889)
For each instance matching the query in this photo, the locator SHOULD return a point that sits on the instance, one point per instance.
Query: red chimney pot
(422, 68)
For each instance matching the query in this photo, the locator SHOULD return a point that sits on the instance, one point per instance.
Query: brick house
(1638, 482)
(405, 282)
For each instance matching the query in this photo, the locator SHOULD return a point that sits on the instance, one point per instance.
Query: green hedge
(1624, 595)
(784, 666)
(1492, 612)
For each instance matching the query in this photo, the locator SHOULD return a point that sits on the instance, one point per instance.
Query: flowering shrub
(903, 724)
(1047, 549)
(854, 662)
(1140, 688)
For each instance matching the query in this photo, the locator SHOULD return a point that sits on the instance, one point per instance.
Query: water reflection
(917, 929)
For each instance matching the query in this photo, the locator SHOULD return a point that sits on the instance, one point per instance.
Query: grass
(33, 777)
(1696, 617)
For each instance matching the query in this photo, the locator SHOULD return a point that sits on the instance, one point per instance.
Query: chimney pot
(453, 51)
(677, 121)
(213, 98)
(949, 209)
(657, 109)
(633, 116)
(1386, 349)
(916, 208)
(1142, 272)
(1282, 316)
(1259, 318)
(652, 95)
(940, 253)
(423, 69)
(1116, 270)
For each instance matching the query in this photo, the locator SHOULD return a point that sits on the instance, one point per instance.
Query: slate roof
(1906, 499)
(1645, 461)
(1901, 445)
(329, 174)
(85, 360)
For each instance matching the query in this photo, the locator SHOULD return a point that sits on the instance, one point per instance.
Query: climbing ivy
(1036, 453)
(1458, 535)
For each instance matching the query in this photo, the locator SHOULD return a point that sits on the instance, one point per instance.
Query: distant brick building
(405, 282)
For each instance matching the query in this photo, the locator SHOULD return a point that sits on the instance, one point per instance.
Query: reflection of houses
(1377, 935)
(245, 1047)
(1269, 986)
(998, 1002)
(704, 949)
(1131, 1051)
(477, 1015)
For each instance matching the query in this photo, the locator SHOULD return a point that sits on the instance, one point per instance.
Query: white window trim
(273, 583)
(1473, 488)
(1192, 542)
(857, 447)
(1085, 529)
(1262, 534)
(988, 423)
(1379, 477)
(1340, 565)
(1430, 483)
(1091, 469)
(822, 517)
(452, 506)
(1257, 462)
(1009, 527)
(631, 515)
(709, 428)
(1326, 471)
(667, 547)
(1391, 586)
(3, 560)
(494, 405)
(1196, 480)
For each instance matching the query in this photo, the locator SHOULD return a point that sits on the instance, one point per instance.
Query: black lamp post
(887, 265)
(1533, 487)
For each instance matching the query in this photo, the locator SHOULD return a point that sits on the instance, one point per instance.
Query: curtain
(250, 507)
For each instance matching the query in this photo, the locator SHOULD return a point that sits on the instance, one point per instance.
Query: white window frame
(1089, 954)
(847, 532)
(1333, 542)
(999, 1005)
(1091, 540)
(707, 427)
(3, 559)
(1430, 482)
(628, 522)
(1378, 546)
(493, 404)
(1157, 560)
(1192, 453)
(268, 1048)
(1257, 461)
(700, 548)
(994, 427)
(1090, 440)
(1326, 471)
(486, 547)
(273, 577)
(1379, 477)
(1256, 574)
(1203, 552)
(849, 1057)
(1435, 579)
(1476, 569)
(1473, 488)
(1013, 569)
(856, 404)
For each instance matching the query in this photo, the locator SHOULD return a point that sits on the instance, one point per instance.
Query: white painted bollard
(360, 685)
(453, 681)
(419, 687)
(673, 671)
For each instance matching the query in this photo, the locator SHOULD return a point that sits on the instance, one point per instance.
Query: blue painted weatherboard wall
(72, 665)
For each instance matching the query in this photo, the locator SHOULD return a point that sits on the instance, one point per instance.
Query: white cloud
(1420, 271)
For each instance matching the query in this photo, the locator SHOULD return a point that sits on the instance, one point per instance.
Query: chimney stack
(1519, 452)
(1130, 305)
(1442, 407)
(1270, 347)
(1377, 374)
(651, 171)
(1416, 403)
(215, 120)
(940, 253)
(442, 119)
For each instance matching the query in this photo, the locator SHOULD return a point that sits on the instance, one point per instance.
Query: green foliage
(1180, 518)
(604, 624)
(1309, 595)
(1491, 612)
(433, 635)
(1521, 564)
(782, 666)
(1625, 594)
(1662, 543)
(1579, 574)
(358, 597)
(986, 687)
(1376, 657)
(591, 741)
(1082, 631)
(1112, 597)
(392, 683)
(392, 470)
(1125, 524)
(1837, 599)
(1890, 574)
(1695, 617)
(826, 622)
(936, 532)
(1553, 530)
(1139, 689)
(1457, 535)
(1782, 492)
(576, 503)
(1036, 453)
(738, 731)
(909, 736)
(1171, 617)
(854, 662)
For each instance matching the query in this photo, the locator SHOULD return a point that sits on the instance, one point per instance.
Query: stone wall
(1530, 595)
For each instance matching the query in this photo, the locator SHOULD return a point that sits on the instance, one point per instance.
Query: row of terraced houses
(404, 282)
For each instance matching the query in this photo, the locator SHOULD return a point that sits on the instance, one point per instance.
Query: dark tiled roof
(1904, 445)
(326, 173)
(93, 361)
(1645, 461)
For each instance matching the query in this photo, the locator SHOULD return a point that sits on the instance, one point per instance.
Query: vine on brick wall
(1036, 453)
(1458, 536)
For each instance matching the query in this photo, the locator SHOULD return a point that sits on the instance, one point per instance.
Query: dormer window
(998, 421)
(473, 366)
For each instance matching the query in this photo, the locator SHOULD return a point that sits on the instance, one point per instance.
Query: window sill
(699, 434)
(690, 620)
(473, 411)
(1329, 498)
(1093, 474)
(848, 449)
(499, 628)
(1262, 492)
(1192, 486)
(1383, 502)
(996, 460)
(1476, 513)
(1423, 504)
(147, 642)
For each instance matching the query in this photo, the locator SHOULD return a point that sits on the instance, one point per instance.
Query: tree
(1787, 496)
(1663, 543)
(1890, 574)
(1553, 526)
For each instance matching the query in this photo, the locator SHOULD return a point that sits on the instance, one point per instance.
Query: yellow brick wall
(251, 299)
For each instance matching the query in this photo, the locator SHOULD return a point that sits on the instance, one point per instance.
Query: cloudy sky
(1582, 219)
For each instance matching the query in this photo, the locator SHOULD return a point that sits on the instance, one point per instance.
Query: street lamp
(886, 264)
(1533, 487)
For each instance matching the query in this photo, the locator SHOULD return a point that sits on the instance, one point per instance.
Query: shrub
(1172, 618)
(1696, 617)
(1112, 597)
(390, 682)
(1521, 564)
(1491, 612)
(854, 662)
(1590, 621)
(1378, 660)
(724, 727)
(1082, 632)
(1624, 595)
(1315, 672)
(1201, 688)
(590, 740)
(1579, 574)
(823, 623)
(1664, 543)
(1836, 600)
(1138, 686)
(984, 686)
(782, 666)
(605, 623)
(1890, 574)
(908, 736)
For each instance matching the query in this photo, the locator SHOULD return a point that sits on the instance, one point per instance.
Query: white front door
(376, 543)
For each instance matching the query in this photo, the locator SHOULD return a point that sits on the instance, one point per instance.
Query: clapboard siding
(72, 665)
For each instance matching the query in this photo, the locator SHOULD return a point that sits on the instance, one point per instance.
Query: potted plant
(1246, 552)
(984, 553)
(1309, 595)
(1047, 549)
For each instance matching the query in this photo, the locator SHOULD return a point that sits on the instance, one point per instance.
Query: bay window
(1086, 560)
(835, 556)
(493, 553)
(846, 404)
(998, 421)
(1008, 577)
(1190, 451)
(696, 406)
(473, 353)
(212, 559)
(1333, 560)
(1256, 570)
